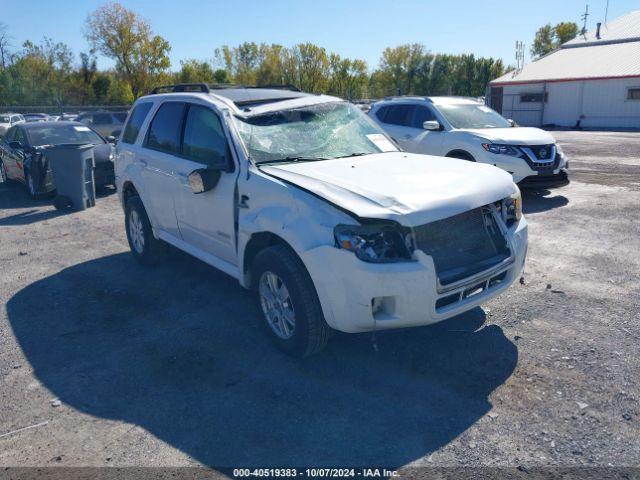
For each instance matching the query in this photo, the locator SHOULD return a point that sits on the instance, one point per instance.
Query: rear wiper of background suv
(292, 159)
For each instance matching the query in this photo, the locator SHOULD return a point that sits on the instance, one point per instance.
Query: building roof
(616, 54)
(624, 28)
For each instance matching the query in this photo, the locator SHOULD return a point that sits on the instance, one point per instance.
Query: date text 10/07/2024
(315, 472)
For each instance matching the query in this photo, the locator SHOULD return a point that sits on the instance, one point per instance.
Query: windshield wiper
(356, 154)
(292, 160)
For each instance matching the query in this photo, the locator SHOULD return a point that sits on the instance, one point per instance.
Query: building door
(496, 99)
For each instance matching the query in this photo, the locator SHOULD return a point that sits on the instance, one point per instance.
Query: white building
(592, 81)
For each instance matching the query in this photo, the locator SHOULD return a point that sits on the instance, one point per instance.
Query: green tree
(120, 34)
(348, 78)
(543, 42)
(565, 31)
(5, 43)
(548, 38)
(195, 71)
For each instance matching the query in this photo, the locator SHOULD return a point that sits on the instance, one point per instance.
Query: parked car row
(311, 204)
(104, 122)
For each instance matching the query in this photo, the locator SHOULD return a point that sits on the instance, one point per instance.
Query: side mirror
(203, 179)
(512, 122)
(16, 145)
(432, 125)
(111, 139)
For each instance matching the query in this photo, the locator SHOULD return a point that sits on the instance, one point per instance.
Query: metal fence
(60, 109)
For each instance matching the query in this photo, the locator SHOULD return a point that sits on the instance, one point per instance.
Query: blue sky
(357, 28)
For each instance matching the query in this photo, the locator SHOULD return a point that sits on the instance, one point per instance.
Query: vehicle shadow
(537, 201)
(178, 351)
(29, 217)
(14, 195)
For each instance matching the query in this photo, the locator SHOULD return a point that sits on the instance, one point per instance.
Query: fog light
(383, 308)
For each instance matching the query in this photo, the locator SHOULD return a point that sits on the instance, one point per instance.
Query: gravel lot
(114, 364)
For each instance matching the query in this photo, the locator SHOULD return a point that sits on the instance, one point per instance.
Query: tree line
(48, 72)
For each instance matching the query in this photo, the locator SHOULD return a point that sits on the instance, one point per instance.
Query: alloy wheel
(136, 231)
(276, 305)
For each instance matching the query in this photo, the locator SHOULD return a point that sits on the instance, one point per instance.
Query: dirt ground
(104, 362)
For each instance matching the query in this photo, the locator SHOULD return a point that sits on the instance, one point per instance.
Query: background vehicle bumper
(559, 179)
(406, 292)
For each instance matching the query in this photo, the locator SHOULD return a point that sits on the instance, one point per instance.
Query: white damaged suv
(305, 200)
(464, 128)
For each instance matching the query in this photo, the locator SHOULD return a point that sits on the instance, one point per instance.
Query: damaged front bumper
(368, 296)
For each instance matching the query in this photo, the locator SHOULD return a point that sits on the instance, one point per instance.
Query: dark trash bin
(72, 166)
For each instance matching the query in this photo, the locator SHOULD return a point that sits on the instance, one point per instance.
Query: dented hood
(408, 188)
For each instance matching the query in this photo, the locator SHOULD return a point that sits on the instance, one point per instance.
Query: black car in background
(23, 153)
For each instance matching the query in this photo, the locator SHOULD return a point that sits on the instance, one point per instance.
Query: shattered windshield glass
(312, 132)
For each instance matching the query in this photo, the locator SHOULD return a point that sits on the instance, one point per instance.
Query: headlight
(511, 209)
(499, 149)
(375, 243)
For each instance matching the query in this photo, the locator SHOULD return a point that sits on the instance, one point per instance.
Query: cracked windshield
(316, 132)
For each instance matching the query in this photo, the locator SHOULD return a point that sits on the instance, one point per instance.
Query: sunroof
(244, 97)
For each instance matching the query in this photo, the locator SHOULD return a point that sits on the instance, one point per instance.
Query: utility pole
(584, 18)
(519, 55)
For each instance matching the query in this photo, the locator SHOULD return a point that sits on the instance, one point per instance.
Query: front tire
(147, 249)
(289, 302)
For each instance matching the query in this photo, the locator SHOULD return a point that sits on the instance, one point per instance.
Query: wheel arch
(257, 242)
(460, 154)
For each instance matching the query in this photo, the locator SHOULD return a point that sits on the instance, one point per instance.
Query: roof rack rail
(181, 87)
(276, 86)
(206, 88)
(405, 97)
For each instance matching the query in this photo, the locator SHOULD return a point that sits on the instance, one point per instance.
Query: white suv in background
(8, 120)
(467, 129)
(305, 200)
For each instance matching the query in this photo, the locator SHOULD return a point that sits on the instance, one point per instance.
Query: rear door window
(400, 115)
(165, 128)
(133, 126)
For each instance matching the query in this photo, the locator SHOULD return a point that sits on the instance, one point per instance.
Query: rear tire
(147, 249)
(308, 331)
(31, 186)
(3, 173)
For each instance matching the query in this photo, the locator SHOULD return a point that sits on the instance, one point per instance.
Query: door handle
(407, 137)
(143, 162)
(243, 202)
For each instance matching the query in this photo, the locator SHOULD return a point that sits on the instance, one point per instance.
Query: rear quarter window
(135, 122)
